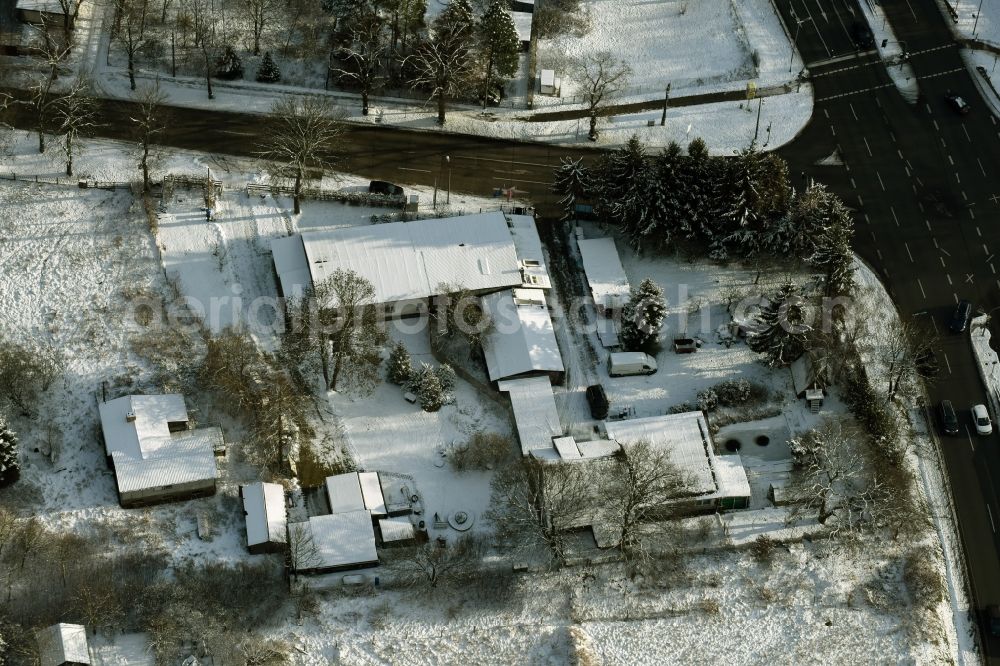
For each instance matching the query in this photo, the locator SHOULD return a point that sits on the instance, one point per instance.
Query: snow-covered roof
(731, 476)
(528, 245)
(396, 529)
(522, 339)
(522, 23)
(609, 285)
(412, 260)
(291, 265)
(344, 493)
(371, 491)
(62, 643)
(264, 506)
(342, 540)
(144, 451)
(685, 436)
(548, 77)
(535, 412)
(44, 6)
(567, 449)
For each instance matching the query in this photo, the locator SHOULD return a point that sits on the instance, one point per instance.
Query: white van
(631, 363)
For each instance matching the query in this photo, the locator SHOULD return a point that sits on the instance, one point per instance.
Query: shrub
(681, 408)
(400, 367)
(762, 548)
(923, 578)
(484, 450)
(734, 392)
(229, 66)
(707, 400)
(268, 71)
(427, 386)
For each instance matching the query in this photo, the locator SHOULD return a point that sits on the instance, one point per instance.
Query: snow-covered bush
(10, 466)
(427, 385)
(229, 67)
(642, 316)
(707, 400)
(446, 375)
(733, 392)
(484, 450)
(682, 407)
(762, 548)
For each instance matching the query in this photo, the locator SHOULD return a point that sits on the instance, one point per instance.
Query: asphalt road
(476, 165)
(923, 182)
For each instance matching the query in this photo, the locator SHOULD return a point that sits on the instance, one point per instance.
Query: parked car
(958, 103)
(981, 417)
(927, 364)
(385, 187)
(630, 363)
(862, 35)
(949, 419)
(598, 401)
(960, 318)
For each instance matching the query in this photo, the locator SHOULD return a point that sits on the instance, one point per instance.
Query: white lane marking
(947, 362)
(950, 283)
(880, 180)
(867, 147)
(971, 214)
(879, 253)
(985, 249)
(892, 135)
(826, 113)
(928, 108)
(980, 163)
(957, 179)
(943, 144)
(967, 134)
(893, 211)
(990, 258)
(900, 153)
(936, 246)
(936, 128)
(934, 324)
(920, 206)
(978, 232)
(907, 246)
(988, 509)
(943, 266)
(951, 161)
(852, 111)
(965, 196)
(833, 131)
(921, 285)
(861, 202)
(945, 252)
(927, 222)
(409, 169)
(853, 184)
(992, 269)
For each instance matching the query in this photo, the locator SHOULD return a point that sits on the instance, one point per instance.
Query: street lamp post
(447, 161)
(976, 23)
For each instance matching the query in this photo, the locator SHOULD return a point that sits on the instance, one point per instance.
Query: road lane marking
(853, 113)
(978, 232)
(927, 222)
(985, 250)
(907, 246)
(945, 252)
(948, 275)
(988, 509)
(867, 147)
(971, 214)
(969, 277)
(879, 253)
(980, 163)
(967, 134)
(936, 246)
(833, 131)
(964, 195)
(861, 201)
(943, 266)
(409, 169)
(951, 161)
(880, 180)
(853, 184)
(826, 113)
(947, 363)
(893, 211)
(900, 153)
(891, 134)
(957, 179)
(943, 144)
(928, 108)
(936, 128)
(993, 270)
(921, 285)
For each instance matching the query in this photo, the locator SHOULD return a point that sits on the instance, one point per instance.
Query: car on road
(949, 419)
(927, 365)
(981, 417)
(960, 318)
(862, 35)
(598, 401)
(958, 103)
(385, 187)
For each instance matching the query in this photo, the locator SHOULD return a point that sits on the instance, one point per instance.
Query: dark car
(598, 401)
(385, 187)
(927, 365)
(949, 419)
(993, 619)
(960, 318)
(958, 103)
(862, 35)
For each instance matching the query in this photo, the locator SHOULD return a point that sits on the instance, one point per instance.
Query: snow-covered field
(73, 259)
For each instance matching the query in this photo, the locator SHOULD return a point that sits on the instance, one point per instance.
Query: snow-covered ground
(661, 44)
(73, 259)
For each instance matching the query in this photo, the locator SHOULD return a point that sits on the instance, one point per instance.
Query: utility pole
(666, 101)
(978, 12)
(447, 161)
(756, 130)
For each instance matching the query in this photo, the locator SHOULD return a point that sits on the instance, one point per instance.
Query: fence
(82, 183)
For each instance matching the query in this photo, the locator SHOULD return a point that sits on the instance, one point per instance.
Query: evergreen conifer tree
(498, 45)
(268, 71)
(400, 369)
(642, 316)
(10, 465)
(428, 388)
(781, 328)
(573, 181)
(230, 66)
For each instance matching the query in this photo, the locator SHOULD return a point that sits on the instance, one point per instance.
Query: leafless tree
(303, 553)
(602, 77)
(75, 113)
(204, 38)
(70, 10)
(434, 564)
(53, 52)
(149, 121)
(352, 328)
(278, 422)
(131, 31)
(259, 13)
(303, 132)
(25, 371)
(97, 604)
(833, 478)
(235, 367)
(364, 57)
(536, 504)
(443, 65)
(901, 349)
(640, 484)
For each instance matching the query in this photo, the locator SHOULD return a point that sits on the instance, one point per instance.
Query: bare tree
(434, 564)
(903, 351)
(303, 553)
(149, 122)
(443, 65)
(204, 38)
(53, 51)
(25, 371)
(235, 367)
(97, 604)
(75, 113)
(278, 422)
(302, 133)
(832, 478)
(352, 328)
(259, 13)
(602, 78)
(131, 31)
(536, 504)
(365, 56)
(70, 11)
(640, 484)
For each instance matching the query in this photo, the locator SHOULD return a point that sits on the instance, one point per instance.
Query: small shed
(547, 81)
(63, 644)
(809, 380)
(266, 518)
(609, 286)
(397, 532)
